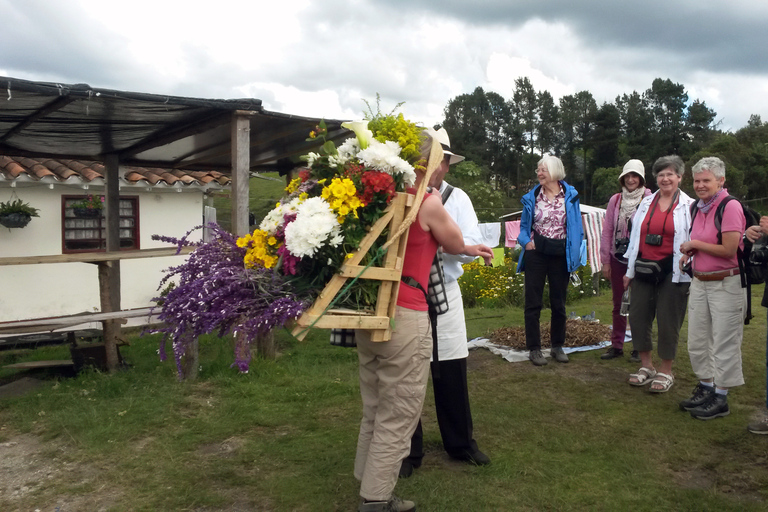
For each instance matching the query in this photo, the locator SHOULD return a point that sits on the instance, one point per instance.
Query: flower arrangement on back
(266, 278)
(334, 200)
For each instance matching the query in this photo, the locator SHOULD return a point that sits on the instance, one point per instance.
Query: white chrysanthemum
(349, 148)
(275, 218)
(311, 157)
(336, 160)
(384, 156)
(314, 225)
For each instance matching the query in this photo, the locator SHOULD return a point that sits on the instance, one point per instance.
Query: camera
(651, 239)
(757, 256)
(621, 246)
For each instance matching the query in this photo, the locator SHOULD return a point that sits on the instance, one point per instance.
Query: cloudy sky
(323, 57)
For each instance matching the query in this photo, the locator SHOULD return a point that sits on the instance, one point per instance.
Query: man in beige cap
(614, 241)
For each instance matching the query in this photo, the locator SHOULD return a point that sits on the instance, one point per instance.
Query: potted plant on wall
(88, 208)
(16, 214)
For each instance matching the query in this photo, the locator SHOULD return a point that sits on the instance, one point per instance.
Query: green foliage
(605, 183)
(502, 286)
(474, 180)
(18, 206)
(283, 436)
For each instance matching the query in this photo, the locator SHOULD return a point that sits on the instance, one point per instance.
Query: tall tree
(546, 122)
(524, 112)
(667, 101)
(637, 126)
(699, 125)
(605, 140)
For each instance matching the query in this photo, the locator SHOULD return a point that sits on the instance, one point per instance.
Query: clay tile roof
(36, 169)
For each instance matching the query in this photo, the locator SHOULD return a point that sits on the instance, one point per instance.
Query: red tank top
(419, 253)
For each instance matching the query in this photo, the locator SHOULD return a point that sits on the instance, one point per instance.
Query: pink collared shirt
(549, 216)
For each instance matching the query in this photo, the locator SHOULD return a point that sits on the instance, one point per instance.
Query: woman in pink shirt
(717, 302)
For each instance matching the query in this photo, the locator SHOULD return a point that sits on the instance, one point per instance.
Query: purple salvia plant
(217, 294)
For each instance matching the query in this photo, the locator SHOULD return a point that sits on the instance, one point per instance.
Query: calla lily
(363, 134)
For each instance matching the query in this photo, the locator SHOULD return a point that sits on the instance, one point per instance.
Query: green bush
(502, 286)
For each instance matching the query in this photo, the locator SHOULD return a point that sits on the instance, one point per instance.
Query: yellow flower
(272, 240)
(349, 256)
(312, 134)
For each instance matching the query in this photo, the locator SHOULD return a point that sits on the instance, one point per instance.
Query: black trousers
(452, 409)
(554, 269)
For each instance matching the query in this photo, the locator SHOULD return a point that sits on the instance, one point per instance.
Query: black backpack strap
(432, 320)
(447, 192)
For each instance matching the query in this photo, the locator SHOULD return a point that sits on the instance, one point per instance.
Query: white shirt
(460, 208)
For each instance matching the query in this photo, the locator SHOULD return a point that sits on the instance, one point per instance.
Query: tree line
(505, 138)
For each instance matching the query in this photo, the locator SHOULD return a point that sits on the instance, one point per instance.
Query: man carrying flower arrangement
(449, 376)
(393, 374)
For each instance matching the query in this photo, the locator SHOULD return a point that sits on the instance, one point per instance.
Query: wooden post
(241, 163)
(190, 363)
(265, 346)
(109, 271)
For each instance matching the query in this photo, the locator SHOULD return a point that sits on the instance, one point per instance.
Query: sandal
(662, 383)
(642, 377)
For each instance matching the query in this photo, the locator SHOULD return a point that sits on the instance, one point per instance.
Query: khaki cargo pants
(393, 382)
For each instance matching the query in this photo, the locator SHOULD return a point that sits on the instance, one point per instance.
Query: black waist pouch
(549, 246)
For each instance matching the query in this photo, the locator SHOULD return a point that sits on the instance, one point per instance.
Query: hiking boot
(394, 504)
(634, 357)
(559, 355)
(759, 427)
(537, 358)
(476, 457)
(698, 397)
(715, 406)
(406, 469)
(612, 353)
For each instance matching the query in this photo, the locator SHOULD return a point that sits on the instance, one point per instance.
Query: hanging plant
(16, 214)
(89, 208)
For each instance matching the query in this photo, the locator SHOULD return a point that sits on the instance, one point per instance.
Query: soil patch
(578, 333)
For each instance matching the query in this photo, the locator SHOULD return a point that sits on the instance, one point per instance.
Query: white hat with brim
(442, 137)
(635, 166)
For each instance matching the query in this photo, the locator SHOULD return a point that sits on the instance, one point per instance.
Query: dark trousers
(667, 302)
(452, 409)
(554, 269)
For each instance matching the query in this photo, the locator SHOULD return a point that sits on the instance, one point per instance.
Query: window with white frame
(85, 230)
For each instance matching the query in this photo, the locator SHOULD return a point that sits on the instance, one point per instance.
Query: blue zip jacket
(575, 246)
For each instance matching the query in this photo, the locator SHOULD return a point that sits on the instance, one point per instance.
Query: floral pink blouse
(549, 216)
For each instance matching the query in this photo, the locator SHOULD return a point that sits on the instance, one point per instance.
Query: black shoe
(476, 457)
(558, 354)
(716, 406)
(537, 358)
(700, 395)
(634, 357)
(612, 353)
(406, 469)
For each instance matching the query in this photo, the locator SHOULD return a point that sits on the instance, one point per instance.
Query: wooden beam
(241, 159)
(95, 257)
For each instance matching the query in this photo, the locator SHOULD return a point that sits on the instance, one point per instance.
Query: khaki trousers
(393, 382)
(716, 312)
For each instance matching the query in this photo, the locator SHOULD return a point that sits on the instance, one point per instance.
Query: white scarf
(629, 203)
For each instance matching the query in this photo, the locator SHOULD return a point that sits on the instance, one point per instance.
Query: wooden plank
(94, 257)
(38, 365)
(52, 324)
(328, 321)
(377, 273)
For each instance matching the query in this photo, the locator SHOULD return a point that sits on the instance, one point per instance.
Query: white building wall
(46, 290)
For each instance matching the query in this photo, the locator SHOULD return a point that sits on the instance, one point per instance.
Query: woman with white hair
(659, 288)
(552, 236)
(718, 301)
(614, 242)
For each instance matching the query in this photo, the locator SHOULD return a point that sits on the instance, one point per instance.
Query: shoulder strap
(447, 192)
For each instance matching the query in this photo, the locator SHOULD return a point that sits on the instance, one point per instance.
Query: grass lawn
(283, 436)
